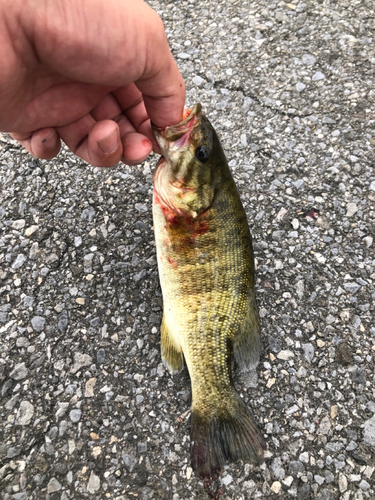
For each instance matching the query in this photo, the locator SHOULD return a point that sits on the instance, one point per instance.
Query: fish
(206, 271)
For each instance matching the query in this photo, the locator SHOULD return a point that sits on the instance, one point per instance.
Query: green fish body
(206, 270)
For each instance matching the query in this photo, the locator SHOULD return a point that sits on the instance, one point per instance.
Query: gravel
(88, 410)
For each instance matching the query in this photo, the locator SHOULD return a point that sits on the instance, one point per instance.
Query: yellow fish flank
(206, 271)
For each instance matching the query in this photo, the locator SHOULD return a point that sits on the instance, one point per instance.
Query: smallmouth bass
(206, 271)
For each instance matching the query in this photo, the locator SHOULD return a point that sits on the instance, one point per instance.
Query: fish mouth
(173, 133)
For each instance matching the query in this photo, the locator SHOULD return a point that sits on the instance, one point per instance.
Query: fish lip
(172, 133)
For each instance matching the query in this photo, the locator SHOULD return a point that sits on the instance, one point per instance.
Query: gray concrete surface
(87, 410)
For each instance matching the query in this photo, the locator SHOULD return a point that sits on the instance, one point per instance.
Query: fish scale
(206, 271)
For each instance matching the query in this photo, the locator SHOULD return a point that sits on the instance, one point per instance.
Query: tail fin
(229, 435)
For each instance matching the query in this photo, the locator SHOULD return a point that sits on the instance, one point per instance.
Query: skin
(92, 73)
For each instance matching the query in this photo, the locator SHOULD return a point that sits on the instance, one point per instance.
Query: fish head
(187, 176)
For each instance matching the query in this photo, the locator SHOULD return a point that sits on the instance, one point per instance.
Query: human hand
(90, 72)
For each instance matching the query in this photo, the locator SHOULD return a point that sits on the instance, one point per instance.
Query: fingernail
(110, 143)
(49, 142)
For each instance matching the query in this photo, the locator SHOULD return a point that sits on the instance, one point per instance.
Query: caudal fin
(229, 435)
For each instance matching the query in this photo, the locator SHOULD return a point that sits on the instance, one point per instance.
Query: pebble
(20, 260)
(71, 446)
(285, 355)
(13, 452)
(319, 479)
(18, 224)
(61, 409)
(329, 477)
(183, 55)
(94, 322)
(295, 466)
(320, 258)
(25, 413)
(351, 209)
(142, 447)
(80, 360)
(19, 372)
(19, 496)
(31, 230)
(100, 356)
(22, 342)
(298, 183)
(318, 76)
(277, 469)
(38, 323)
(141, 207)
(88, 214)
(352, 287)
(308, 59)
(343, 483)
(94, 483)
(197, 80)
(308, 352)
(89, 388)
(295, 224)
(300, 86)
(53, 485)
(276, 487)
(63, 322)
(364, 485)
(304, 492)
(75, 415)
(227, 479)
(12, 401)
(368, 240)
(288, 481)
(369, 432)
(334, 411)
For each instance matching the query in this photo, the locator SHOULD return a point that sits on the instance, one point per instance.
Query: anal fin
(171, 352)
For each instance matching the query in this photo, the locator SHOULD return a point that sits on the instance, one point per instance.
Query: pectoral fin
(171, 351)
(246, 341)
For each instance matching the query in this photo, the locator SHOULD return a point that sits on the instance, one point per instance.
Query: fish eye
(202, 153)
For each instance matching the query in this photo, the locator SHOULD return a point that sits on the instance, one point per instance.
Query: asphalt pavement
(87, 409)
